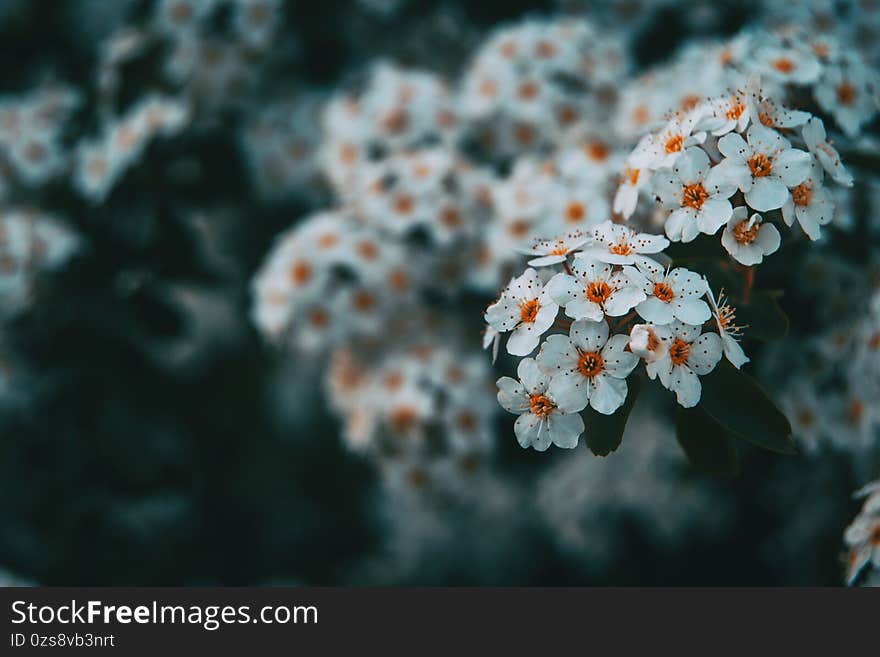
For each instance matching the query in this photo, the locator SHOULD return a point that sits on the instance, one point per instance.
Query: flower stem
(748, 282)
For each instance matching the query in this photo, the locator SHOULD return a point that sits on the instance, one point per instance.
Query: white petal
(618, 361)
(705, 353)
(768, 239)
(532, 432)
(544, 261)
(713, 215)
(569, 390)
(767, 193)
(523, 340)
(566, 429)
(589, 336)
(533, 379)
(655, 311)
(512, 395)
(692, 166)
(557, 354)
(686, 386)
(607, 394)
(792, 166)
(734, 146)
(734, 352)
(623, 300)
(691, 310)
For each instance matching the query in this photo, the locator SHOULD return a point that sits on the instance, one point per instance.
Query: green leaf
(763, 316)
(737, 402)
(605, 432)
(708, 445)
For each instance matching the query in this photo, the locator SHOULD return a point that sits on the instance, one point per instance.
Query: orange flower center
(404, 204)
(874, 342)
(690, 101)
(664, 292)
(846, 93)
(597, 151)
(653, 340)
(766, 119)
(529, 310)
(745, 234)
(541, 405)
(632, 175)
(784, 65)
(621, 248)
(679, 352)
(590, 364)
(598, 291)
(300, 273)
(575, 211)
(736, 109)
(802, 195)
(528, 90)
(760, 165)
(694, 196)
(674, 144)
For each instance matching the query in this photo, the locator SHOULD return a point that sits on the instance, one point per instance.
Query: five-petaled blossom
(554, 251)
(593, 290)
(674, 294)
(621, 245)
(525, 307)
(587, 367)
(541, 421)
(749, 239)
(697, 195)
(688, 356)
(764, 168)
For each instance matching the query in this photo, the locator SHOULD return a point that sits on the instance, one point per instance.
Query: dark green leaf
(605, 432)
(708, 445)
(763, 316)
(739, 404)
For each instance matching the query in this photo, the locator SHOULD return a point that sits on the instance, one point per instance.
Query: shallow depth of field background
(150, 435)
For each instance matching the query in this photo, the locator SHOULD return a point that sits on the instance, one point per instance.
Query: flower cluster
(424, 412)
(609, 283)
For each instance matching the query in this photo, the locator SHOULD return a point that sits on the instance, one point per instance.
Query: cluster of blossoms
(862, 539)
(30, 242)
(609, 282)
(424, 412)
(829, 397)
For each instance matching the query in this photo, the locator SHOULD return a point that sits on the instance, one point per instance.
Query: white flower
(621, 245)
(554, 251)
(525, 307)
(689, 356)
(647, 343)
(698, 195)
(661, 149)
(594, 290)
(725, 316)
(670, 294)
(727, 113)
(845, 92)
(814, 136)
(748, 239)
(587, 367)
(764, 168)
(788, 65)
(810, 203)
(540, 421)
